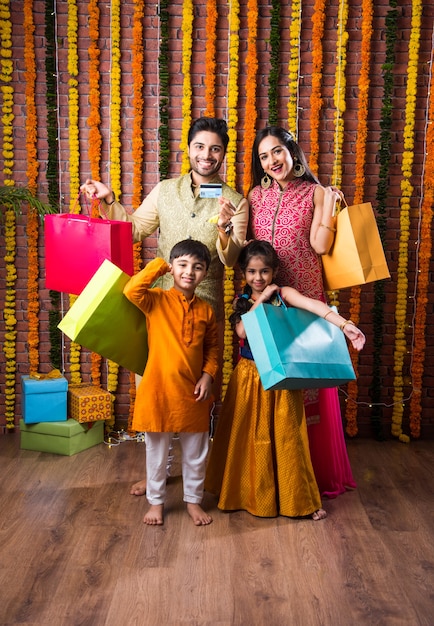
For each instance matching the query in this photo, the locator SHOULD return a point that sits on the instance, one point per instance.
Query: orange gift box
(88, 403)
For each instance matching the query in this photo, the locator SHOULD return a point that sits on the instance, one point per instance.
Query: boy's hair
(191, 247)
(212, 125)
(258, 248)
(287, 140)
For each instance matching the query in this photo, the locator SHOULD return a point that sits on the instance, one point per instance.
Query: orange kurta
(182, 344)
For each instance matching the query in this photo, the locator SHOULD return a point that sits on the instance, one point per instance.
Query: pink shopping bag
(76, 245)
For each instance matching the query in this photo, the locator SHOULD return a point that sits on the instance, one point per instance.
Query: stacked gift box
(62, 420)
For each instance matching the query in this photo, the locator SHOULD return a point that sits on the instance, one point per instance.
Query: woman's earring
(298, 169)
(265, 181)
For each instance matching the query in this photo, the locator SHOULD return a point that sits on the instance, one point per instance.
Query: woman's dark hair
(193, 248)
(212, 125)
(287, 140)
(253, 249)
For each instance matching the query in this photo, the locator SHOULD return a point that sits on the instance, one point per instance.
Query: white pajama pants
(194, 449)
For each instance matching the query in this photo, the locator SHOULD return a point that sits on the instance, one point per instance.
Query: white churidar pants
(194, 450)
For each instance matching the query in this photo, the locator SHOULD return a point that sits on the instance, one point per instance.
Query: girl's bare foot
(154, 516)
(198, 515)
(320, 514)
(139, 489)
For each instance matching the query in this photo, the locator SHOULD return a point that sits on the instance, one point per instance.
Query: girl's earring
(298, 169)
(265, 181)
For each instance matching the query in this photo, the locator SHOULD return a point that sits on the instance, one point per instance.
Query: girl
(260, 459)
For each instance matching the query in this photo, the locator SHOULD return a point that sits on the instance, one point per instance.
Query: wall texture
(391, 375)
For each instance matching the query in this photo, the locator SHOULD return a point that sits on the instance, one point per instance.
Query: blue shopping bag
(296, 349)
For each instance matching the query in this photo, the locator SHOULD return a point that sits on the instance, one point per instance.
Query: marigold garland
(406, 193)
(423, 276)
(9, 311)
(187, 93)
(339, 91)
(318, 19)
(210, 56)
(294, 67)
(163, 100)
(250, 112)
(362, 132)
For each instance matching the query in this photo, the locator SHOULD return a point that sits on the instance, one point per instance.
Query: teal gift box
(67, 438)
(44, 400)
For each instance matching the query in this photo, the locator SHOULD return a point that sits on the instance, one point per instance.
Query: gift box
(44, 400)
(67, 438)
(88, 403)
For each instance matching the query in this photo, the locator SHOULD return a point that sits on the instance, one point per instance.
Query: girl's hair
(255, 248)
(287, 140)
(193, 248)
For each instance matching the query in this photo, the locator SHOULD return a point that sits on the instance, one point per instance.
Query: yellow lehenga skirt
(260, 460)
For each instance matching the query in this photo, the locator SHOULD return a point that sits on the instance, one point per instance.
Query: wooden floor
(74, 550)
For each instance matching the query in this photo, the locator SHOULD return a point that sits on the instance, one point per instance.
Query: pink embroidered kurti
(284, 219)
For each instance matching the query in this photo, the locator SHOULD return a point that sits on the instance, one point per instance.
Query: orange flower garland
(423, 277)
(362, 132)
(406, 194)
(187, 45)
(210, 56)
(32, 227)
(318, 19)
(250, 113)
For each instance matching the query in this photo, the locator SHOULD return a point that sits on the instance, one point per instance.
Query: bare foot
(320, 514)
(139, 489)
(154, 516)
(198, 515)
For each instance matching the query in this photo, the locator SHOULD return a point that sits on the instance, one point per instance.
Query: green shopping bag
(103, 320)
(296, 349)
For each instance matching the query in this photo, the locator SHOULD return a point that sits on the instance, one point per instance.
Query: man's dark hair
(193, 248)
(212, 125)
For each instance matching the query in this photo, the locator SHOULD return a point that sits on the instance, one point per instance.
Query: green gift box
(65, 438)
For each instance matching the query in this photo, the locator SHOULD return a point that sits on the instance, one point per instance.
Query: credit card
(210, 190)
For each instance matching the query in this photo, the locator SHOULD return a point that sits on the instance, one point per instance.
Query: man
(176, 208)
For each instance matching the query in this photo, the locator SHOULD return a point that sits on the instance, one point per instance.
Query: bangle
(114, 200)
(345, 322)
(226, 230)
(327, 314)
(330, 228)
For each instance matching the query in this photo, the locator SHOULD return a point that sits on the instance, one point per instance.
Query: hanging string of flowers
(32, 226)
(424, 259)
(406, 193)
(294, 67)
(137, 149)
(187, 94)
(273, 76)
(362, 133)
(250, 111)
(382, 197)
(9, 311)
(210, 56)
(318, 19)
(74, 156)
(232, 100)
(339, 91)
(163, 80)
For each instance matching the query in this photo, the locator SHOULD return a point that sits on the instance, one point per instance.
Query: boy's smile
(187, 272)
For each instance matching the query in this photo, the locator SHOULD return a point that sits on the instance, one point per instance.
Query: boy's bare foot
(320, 514)
(198, 515)
(154, 516)
(139, 489)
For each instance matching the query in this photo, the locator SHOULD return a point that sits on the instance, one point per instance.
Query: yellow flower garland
(318, 19)
(210, 54)
(406, 193)
(187, 45)
(339, 91)
(362, 132)
(294, 66)
(9, 311)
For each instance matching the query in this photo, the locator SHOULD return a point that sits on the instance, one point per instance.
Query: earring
(266, 181)
(298, 169)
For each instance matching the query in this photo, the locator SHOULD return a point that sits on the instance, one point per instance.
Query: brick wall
(150, 134)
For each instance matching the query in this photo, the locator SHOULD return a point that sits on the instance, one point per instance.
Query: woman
(296, 214)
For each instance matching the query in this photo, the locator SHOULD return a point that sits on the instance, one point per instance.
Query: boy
(174, 395)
